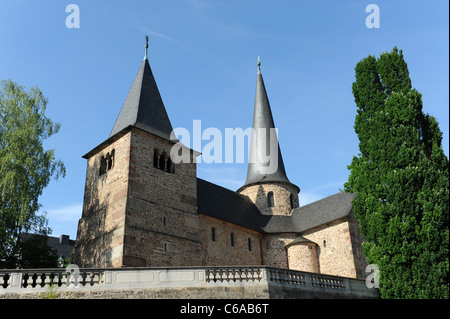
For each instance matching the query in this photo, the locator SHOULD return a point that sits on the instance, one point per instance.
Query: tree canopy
(401, 181)
(26, 167)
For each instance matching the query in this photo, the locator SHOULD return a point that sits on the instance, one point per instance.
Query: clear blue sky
(203, 54)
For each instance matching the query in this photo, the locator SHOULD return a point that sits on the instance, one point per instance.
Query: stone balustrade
(267, 281)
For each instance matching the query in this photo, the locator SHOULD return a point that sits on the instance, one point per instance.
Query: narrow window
(102, 165)
(170, 166)
(110, 160)
(156, 159)
(232, 239)
(249, 244)
(292, 200)
(164, 221)
(267, 245)
(162, 162)
(213, 234)
(165, 246)
(270, 201)
(324, 243)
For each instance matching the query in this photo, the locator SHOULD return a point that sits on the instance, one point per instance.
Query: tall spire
(143, 108)
(260, 143)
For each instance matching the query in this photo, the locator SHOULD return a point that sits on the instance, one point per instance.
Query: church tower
(267, 184)
(139, 207)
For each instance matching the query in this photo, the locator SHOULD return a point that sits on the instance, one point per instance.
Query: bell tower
(267, 184)
(139, 206)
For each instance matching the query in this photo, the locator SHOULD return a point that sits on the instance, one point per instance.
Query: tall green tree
(401, 181)
(25, 167)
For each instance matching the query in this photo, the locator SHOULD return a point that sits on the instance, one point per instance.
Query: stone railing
(270, 279)
(220, 274)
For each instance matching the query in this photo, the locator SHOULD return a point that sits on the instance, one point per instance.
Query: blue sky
(203, 54)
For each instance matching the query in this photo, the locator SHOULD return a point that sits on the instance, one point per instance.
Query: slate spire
(260, 144)
(143, 108)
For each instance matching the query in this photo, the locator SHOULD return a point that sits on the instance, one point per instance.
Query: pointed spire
(260, 144)
(143, 108)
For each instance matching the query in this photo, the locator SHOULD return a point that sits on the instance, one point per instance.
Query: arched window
(106, 162)
(270, 200)
(102, 165)
(249, 244)
(156, 159)
(170, 166)
(232, 239)
(213, 234)
(162, 161)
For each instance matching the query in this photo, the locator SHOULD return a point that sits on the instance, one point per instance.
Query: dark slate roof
(143, 107)
(315, 214)
(226, 205)
(260, 145)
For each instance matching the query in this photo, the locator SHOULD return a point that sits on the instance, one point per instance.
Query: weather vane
(258, 64)
(146, 47)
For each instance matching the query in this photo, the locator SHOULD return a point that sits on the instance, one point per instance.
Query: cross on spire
(146, 47)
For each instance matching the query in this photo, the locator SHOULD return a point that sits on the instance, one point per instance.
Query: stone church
(141, 209)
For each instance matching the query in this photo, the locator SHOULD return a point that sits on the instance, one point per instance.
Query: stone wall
(136, 214)
(162, 225)
(101, 228)
(220, 251)
(274, 249)
(337, 254)
(182, 282)
(303, 257)
(282, 197)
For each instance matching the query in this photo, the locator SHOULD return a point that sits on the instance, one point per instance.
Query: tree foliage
(25, 167)
(401, 181)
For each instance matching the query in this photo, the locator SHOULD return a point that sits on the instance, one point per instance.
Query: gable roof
(313, 215)
(224, 204)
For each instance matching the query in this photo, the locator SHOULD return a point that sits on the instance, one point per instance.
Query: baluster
(232, 275)
(227, 275)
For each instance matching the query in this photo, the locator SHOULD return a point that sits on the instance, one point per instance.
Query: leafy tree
(25, 167)
(401, 181)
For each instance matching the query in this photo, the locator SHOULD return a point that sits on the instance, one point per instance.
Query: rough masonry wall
(220, 252)
(303, 257)
(101, 228)
(282, 197)
(162, 225)
(334, 248)
(274, 249)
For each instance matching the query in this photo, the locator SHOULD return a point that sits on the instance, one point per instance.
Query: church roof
(260, 144)
(226, 205)
(318, 213)
(143, 108)
(229, 206)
